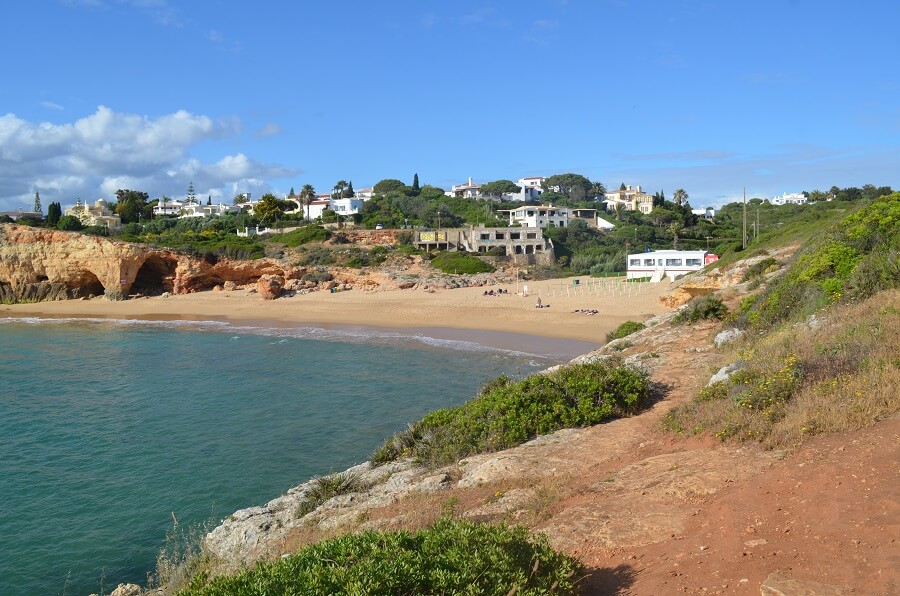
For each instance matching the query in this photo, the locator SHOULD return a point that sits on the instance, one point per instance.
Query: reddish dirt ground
(828, 513)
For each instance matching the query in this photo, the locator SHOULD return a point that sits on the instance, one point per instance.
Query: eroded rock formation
(38, 264)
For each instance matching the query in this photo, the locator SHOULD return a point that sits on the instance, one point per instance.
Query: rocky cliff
(39, 264)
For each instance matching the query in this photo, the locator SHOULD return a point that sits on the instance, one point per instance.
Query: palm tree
(673, 229)
(307, 195)
(680, 197)
(339, 187)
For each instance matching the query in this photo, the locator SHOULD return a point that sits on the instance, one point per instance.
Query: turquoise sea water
(108, 428)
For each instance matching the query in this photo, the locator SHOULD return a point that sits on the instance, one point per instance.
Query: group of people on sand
(499, 292)
(586, 311)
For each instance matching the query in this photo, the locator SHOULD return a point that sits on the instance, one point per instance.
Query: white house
(365, 193)
(468, 190)
(347, 206)
(631, 199)
(550, 216)
(789, 198)
(667, 263)
(535, 182)
(708, 213)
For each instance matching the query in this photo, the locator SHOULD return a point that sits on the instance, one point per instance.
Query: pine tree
(415, 185)
(292, 194)
(54, 212)
(191, 197)
(37, 202)
(209, 199)
(349, 193)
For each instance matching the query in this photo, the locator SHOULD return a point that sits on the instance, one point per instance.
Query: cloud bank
(101, 153)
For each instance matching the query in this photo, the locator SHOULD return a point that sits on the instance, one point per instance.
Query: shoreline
(507, 321)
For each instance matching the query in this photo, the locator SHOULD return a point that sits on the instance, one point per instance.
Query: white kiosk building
(667, 263)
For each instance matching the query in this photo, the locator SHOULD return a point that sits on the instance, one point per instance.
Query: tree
(339, 187)
(37, 202)
(680, 197)
(209, 199)
(131, 205)
(240, 198)
(292, 194)
(54, 212)
(191, 197)
(497, 188)
(387, 185)
(574, 186)
(598, 191)
(415, 184)
(623, 187)
(307, 195)
(69, 223)
(349, 193)
(674, 228)
(269, 209)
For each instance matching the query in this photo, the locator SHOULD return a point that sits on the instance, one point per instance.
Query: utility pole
(757, 222)
(744, 242)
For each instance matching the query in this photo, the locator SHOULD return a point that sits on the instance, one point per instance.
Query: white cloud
(269, 130)
(108, 150)
(52, 105)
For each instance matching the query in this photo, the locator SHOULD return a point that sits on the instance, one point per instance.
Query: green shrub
(328, 487)
(700, 308)
(856, 259)
(761, 268)
(452, 557)
(317, 277)
(302, 236)
(460, 263)
(624, 330)
(316, 256)
(507, 413)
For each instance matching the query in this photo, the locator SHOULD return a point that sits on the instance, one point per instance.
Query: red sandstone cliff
(41, 264)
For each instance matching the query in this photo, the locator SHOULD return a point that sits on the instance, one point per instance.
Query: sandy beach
(507, 320)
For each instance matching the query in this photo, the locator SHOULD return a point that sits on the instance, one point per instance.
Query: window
(500, 236)
(649, 262)
(531, 235)
(693, 262)
(485, 236)
(515, 235)
(673, 262)
(634, 262)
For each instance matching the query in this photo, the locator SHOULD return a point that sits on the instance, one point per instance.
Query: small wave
(349, 335)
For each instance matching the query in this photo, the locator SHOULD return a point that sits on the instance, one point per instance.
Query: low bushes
(624, 330)
(452, 557)
(302, 236)
(699, 308)
(800, 381)
(460, 263)
(507, 413)
(858, 258)
(328, 487)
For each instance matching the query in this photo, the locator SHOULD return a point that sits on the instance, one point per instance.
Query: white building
(667, 263)
(549, 216)
(789, 198)
(708, 213)
(603, 224)
(365, 193)
(184, 209)
(347, 206)
(468, 190)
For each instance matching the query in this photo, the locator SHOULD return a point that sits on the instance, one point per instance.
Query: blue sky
(777, 96)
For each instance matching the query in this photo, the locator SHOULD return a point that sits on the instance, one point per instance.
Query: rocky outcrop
(39, 264)
(269, 286)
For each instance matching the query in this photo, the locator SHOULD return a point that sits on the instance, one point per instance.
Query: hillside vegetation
(822, 355)
(452, 557)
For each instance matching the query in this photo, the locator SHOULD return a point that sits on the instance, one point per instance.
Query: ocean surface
(108, 429)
